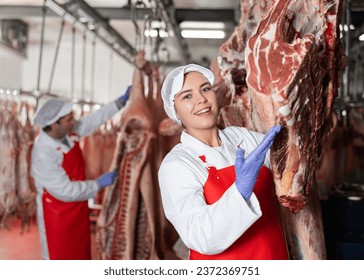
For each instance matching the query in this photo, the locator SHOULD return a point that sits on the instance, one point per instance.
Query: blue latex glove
(247, 169)
(125, 96)
(106, 179)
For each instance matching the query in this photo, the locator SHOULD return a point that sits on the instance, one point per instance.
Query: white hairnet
(173, 83)
(51, 111)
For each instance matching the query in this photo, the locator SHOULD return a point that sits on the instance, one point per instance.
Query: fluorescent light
(202, 25)
(157, 24)
(203, 34)
(361, 37)
(151, 33)
(154, 33)
(345, 27)
(163, 33)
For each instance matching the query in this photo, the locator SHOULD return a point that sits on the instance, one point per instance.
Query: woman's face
(196, 103)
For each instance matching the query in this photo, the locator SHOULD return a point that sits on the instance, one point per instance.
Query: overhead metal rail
(123, 13)
(101, 28)
(107, 34)
(166, 14)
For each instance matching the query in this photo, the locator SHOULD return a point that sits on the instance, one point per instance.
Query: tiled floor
(17, 246)
(26, 246)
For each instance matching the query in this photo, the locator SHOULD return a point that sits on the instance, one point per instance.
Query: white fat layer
(277, 97)
(284, 110)
(256, 58)
(269, 35)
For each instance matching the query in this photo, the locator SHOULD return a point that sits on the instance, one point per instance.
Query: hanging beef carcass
(106, 148)
(92, 150)
(281, 65)
(8, 154)
(126, 227)
(98, 151)
(342, 159)
(26, 193)
(109, 133)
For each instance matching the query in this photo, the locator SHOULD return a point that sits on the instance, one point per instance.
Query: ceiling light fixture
(361, 37)
(154, 33)
(157, 24)
(203, 34)
(345, 27)
(202, 25)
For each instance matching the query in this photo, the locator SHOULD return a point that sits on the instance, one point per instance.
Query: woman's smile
(203, 111)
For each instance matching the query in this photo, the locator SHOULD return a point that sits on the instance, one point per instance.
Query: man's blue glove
(125, 96)
(247, 169)
(106, 179)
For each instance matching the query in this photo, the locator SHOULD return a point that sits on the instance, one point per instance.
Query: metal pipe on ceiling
(107, 34)
(166, 14)
(123, 13)
(91, 12)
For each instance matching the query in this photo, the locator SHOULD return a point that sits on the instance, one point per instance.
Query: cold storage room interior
(296, 63)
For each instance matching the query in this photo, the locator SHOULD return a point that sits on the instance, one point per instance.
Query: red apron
(67, 223)
(264, 240)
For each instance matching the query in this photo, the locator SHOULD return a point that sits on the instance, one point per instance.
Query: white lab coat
(47, 170)
(208, 229)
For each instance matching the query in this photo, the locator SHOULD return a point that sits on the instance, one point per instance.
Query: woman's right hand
(247, 169)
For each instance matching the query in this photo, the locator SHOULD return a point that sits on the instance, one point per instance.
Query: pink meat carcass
(282, 65)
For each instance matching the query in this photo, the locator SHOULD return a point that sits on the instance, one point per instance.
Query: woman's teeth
(203, 111)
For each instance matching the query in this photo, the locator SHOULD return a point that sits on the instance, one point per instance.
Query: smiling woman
(213, 195)
(196, 106)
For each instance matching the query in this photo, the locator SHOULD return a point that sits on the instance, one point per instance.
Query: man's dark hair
(48, 127)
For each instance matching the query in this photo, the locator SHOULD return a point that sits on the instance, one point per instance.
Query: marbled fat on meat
(286, 63)
(281, 65)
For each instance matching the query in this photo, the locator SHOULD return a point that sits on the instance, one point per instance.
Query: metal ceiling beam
(225, 15)
(103, 23)
(168, 13)
(22, 11)
(357, 6)
(68, 12)
(102, 29)
(123, 13)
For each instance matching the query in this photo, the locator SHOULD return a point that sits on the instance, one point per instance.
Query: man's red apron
(67, 223)
(264, 240)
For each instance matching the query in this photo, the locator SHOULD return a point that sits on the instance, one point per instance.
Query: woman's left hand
(247, 169)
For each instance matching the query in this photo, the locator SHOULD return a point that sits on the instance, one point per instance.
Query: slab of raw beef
(282, 65)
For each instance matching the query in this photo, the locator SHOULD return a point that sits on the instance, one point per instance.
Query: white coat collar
(213, 156)
(48, 141)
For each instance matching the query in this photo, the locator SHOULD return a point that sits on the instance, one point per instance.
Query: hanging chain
(139, 42)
